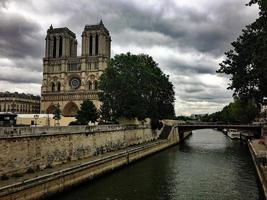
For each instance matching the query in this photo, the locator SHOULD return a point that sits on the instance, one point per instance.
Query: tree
(105, 111)
(87, 113)
(239, 111)
(246, 63)
(57, 114)
(134, 86)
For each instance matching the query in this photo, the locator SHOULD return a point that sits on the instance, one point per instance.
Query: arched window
(96, 85)
(90, 85)
(53, 87)
(96, 44)
(90, 45)
(54, 47)
(58, 86)
(70, 48)
(60, 46)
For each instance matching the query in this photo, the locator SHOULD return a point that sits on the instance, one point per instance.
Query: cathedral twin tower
(69, 79)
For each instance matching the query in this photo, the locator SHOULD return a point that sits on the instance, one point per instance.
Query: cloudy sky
(187, 38)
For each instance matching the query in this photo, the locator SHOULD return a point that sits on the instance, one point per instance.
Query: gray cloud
(195, 35)
(19, 37)
(208, 31)
(180, 67)
(3, 3)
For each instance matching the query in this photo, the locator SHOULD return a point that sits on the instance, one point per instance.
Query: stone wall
(38, 148)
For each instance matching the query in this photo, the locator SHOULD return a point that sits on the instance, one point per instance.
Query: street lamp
(35, 120)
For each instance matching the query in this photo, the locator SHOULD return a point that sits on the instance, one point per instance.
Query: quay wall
(27, 149)
(60, 180)
(259, 169)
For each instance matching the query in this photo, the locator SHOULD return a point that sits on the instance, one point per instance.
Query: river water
(208, 165)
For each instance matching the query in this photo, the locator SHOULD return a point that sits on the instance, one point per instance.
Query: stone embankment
(31, 149)
(45, 161)
(258, 150)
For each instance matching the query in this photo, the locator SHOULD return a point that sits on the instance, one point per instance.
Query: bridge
(257, 129)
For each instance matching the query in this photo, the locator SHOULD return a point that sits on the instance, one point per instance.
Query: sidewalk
(258, 149)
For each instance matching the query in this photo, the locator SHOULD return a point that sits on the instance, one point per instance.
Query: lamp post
(35, 120)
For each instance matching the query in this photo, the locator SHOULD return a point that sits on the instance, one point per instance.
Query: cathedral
(69, 79)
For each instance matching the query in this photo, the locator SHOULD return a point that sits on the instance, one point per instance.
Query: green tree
(57, 114)
(134, 86)
(239, 111)
(105, 111)
(246, 63)
(87, 113)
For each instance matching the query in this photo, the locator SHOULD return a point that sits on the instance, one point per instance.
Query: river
(208, 165)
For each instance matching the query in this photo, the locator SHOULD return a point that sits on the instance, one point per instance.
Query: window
(74, 67)
(55, 47)
(53, 87)
(96, 44)
(90, 85)
(90, 45)
(96, 85)
(58, 86)
(60, 46)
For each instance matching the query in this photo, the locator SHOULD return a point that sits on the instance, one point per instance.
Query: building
(69, 79)
(19, 103)
(41, 120)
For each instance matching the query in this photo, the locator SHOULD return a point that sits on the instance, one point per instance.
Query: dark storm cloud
(19, 75)
(181, 67)
(19, 37)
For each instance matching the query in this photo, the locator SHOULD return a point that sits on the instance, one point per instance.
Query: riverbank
(52, 180)
(207, 165)
(258, 152)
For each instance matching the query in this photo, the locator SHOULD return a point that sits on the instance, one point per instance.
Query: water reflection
(206, 166)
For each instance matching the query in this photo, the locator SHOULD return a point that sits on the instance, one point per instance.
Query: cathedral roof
(61, 30)
(98, 26)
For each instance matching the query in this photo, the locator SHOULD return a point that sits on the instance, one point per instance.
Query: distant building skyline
(19, 103)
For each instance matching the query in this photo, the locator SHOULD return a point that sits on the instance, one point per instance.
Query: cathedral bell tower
(69, 79)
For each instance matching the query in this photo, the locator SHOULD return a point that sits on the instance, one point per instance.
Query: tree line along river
(208, 165)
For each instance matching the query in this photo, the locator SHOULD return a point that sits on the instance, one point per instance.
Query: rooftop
(61, 30)
(19, 95)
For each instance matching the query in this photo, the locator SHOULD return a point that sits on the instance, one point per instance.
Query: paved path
(259, 149)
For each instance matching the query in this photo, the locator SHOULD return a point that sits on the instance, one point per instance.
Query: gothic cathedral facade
(69, 79)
